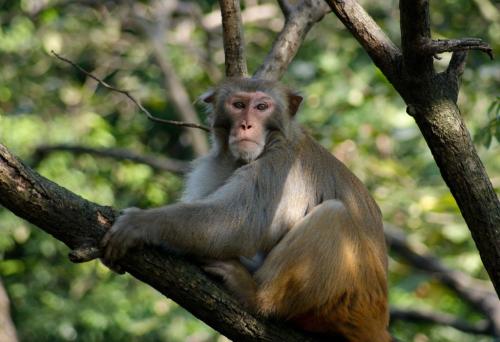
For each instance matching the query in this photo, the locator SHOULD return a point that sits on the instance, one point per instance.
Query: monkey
(291, 232)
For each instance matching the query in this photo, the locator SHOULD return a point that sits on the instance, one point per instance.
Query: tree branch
(433, 47)
(80, 224)
(127, 94)
(298, 21)
(234, 44)
(431, 100)
(476, 293)
(415, 28)
(156, 162)
(416, 316)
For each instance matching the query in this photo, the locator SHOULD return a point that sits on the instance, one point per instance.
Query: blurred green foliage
(350, 108)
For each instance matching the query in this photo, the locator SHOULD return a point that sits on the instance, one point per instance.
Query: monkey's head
(246, 110)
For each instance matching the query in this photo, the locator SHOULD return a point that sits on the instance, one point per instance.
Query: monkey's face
(248, 113)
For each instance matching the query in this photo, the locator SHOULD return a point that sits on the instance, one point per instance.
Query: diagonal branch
(156, 162)
(480, 296)
(384, 53)
(431, 100)
(415, 28)
(80, 224)
(414, 316)
(298, 21)
(234, 44)
(131, 98)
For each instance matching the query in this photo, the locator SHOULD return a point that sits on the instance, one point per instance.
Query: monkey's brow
(250, 94)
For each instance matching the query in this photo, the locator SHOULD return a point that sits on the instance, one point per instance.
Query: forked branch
(384, 53)
(298, 21)
(431, 100)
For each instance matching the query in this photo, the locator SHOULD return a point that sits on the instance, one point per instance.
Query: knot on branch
(84, 254)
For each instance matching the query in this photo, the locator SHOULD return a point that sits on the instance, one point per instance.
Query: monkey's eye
(239, 105)
(262, 106)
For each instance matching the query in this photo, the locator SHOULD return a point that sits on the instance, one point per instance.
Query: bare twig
(481, 327)
(298, 21)
(234, 45)
(157, 162)
(432, 47)
(475, 292)
(127, 94)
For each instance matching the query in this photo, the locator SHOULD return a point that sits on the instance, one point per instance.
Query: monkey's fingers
(113, 266)
(215, 271)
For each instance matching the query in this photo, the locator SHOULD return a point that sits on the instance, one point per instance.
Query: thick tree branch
(234, 44)
(157, 162)
(133, 99)
(298, 21)
(420, 316)
(431, 100)
(415, 29)
(384, 53)
(474, 292)
(80, 224)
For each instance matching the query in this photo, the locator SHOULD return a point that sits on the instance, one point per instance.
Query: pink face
(249, 112)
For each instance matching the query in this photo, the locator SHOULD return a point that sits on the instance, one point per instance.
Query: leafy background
(349, 107)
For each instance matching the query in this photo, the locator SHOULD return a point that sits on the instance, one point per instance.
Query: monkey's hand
(128, 231)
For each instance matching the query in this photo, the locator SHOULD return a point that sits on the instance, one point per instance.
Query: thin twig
(432, 47)
(127, 94)
(156, 162)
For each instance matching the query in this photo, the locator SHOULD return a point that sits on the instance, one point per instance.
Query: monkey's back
(331, 179)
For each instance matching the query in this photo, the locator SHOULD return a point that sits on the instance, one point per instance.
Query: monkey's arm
(229, 223)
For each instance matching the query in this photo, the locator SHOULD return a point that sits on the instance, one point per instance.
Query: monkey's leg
(236, 279)
(327, 276)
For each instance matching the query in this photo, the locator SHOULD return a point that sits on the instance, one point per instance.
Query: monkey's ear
(208, 96)
(294, 101)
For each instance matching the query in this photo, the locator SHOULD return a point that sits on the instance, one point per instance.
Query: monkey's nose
(244, 126)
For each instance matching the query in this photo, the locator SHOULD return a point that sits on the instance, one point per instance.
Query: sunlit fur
(316, 230)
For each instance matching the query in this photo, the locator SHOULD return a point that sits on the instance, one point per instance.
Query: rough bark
(80, 224)
(431, 100)
(234, 44)
(298, 21)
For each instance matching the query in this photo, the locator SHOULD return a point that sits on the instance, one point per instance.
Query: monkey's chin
(247, 151)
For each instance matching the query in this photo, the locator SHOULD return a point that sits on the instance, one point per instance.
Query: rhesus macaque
(289, 229)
